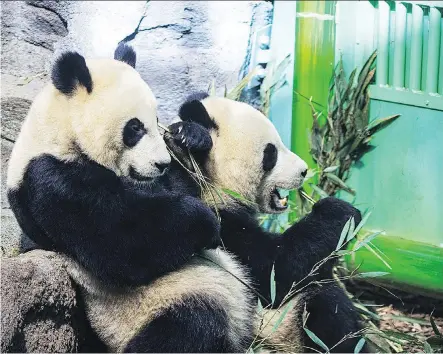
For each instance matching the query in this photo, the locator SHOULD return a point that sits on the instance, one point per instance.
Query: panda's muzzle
(137, 176)
(277, 202)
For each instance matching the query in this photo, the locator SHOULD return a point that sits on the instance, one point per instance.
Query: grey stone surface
(38, 305)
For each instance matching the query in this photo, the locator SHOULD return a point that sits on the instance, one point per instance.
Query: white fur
(92, 123)
(119, 314)
(236, 159)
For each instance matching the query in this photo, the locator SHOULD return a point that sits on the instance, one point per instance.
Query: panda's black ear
(68, 71)
(195, 111)
(126, 54)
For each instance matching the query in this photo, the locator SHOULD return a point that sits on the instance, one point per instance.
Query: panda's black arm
(253, 246)
(310, 241)
(121, 235)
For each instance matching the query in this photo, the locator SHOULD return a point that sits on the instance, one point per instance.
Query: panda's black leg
(332, 317)
(189, 327)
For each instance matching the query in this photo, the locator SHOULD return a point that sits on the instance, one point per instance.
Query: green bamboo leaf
(273, 284)
(366, 240)
(359, 346)
(428, 348)
(288, 308)
(377, 255)
(339, 182)
(371, 274)
(330, 169)
(237, 196)
(235, 93)
(212, 88)
(434, 326)
(319, 191)
(275, 73)
(367, 67)
(379, 124)
(344, 233)
(399, 335)
(362, 222)
(350, 234)
(407, 319)
(316, 340)
(225, 94)
(259, 306)
(365, 311)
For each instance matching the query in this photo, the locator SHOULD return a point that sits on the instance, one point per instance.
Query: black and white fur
(85, 179)
(238, 148)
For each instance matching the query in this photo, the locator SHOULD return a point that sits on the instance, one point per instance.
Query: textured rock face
(39, 306)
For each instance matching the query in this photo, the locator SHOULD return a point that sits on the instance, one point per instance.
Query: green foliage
(342, 137)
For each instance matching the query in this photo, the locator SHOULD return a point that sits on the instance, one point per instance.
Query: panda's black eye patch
(269, 157)
(133, 131)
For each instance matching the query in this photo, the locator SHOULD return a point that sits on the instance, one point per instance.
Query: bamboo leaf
(319, 191)
(212, 88)
(344, 233)
(237, 196)
(273, 284)
(399, 335)
(275, 73)
(379, 124)
(316, 340)
(378, 256)
(330, 169)
(359, 346)
(366, 240)
(287, 308)
(235, 93)
(350, 234)
(434, 326)
(371, 274)
(428, 348)
(339, 182)
(362, 222)
(259, 306)
(407, 319)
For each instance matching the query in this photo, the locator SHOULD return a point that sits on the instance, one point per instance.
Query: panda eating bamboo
(90, 177)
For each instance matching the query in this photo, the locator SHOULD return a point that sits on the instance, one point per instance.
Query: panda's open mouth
(278, 203)
(137, 176)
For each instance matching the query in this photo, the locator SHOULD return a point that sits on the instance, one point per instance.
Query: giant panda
(238, 148)
(85, 179)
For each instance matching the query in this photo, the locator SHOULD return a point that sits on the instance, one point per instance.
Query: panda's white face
(249, 157)
(101, 109)
(116, 124)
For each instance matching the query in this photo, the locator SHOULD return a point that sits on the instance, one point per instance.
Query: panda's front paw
(332, 208)
(202, 224)
(191, 135)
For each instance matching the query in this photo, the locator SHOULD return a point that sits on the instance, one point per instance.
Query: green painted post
(440, 74)
(383, 44)
(400, 45)
(433, 50)
(408, 47)
(416, 48)
(313, 67)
